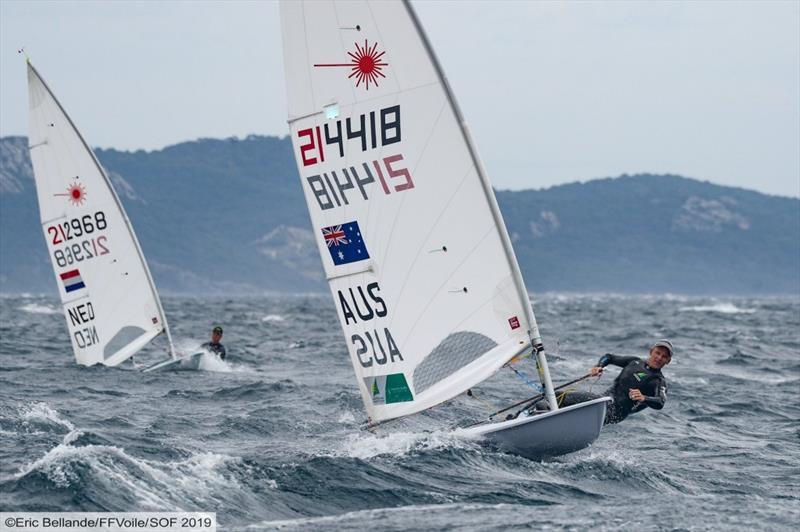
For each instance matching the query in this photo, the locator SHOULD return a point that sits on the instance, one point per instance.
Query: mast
(533, 332)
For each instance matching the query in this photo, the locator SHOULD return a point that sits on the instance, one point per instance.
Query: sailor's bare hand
(596, 371)
(636, 395)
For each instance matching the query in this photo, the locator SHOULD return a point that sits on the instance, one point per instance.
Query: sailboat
(427, 288)
(109, 299)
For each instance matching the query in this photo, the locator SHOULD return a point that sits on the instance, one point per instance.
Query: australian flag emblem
(345, 243)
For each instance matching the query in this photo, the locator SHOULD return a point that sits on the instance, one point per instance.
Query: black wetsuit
(217, 349)
(635, 374)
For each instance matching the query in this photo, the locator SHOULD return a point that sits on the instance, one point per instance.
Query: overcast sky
(553, 91)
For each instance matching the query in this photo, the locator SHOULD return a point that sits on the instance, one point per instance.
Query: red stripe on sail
(69, 275)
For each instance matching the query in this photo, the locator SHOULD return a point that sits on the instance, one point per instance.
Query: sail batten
(108, 295)
(418, 260)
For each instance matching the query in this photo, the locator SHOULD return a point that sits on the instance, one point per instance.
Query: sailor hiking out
(639, 385)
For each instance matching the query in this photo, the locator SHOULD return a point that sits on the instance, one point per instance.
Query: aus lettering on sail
(322, 149)
(363, 310)
(365, 313)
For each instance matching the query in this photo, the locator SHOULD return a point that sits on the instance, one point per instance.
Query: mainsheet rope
(529, 401)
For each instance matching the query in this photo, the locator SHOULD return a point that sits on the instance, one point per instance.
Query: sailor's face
(216, 337)
(659, 357)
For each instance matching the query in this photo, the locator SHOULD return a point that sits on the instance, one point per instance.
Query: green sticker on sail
(397, 390)
(388, 389)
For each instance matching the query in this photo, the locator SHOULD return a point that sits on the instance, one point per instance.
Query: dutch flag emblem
(72, 281)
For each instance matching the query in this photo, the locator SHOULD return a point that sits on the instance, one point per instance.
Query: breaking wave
(368, 445)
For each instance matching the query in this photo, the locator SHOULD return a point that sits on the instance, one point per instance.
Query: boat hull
(188, 362)
(563, 431)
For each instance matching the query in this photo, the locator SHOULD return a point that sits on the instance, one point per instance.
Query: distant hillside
(229, 216)
(655, 233)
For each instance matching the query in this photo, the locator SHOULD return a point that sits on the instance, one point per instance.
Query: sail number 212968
(70, 247)
(77, 227)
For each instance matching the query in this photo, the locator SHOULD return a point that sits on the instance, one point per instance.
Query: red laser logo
(365, 64)
(76, 193)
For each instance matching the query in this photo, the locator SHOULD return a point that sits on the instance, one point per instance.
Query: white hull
(563, 431)
(188, 362)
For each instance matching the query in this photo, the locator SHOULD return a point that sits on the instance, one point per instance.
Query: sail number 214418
(349, 180)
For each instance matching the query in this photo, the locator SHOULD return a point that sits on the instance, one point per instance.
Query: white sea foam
(185, 346)
(627, 462)
(366, 446)
(721, 308)
(273, 318)
(41, 412)
(346, 417)
(210, 362)
(150, 482)
(35, 308)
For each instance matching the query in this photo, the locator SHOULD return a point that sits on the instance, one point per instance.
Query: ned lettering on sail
(108, 296)
(79, 318)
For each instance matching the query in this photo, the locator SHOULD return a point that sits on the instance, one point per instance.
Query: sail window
(331, 111)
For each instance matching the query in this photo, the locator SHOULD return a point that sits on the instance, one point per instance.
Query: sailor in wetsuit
(214, 346)
(639, 385)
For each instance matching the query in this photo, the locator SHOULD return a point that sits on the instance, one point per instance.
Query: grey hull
(564, 431)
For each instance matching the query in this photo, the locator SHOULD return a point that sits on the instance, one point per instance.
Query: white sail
(109, 299)
(426, 285)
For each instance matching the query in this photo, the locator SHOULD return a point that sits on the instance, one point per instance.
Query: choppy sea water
(271, 440)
